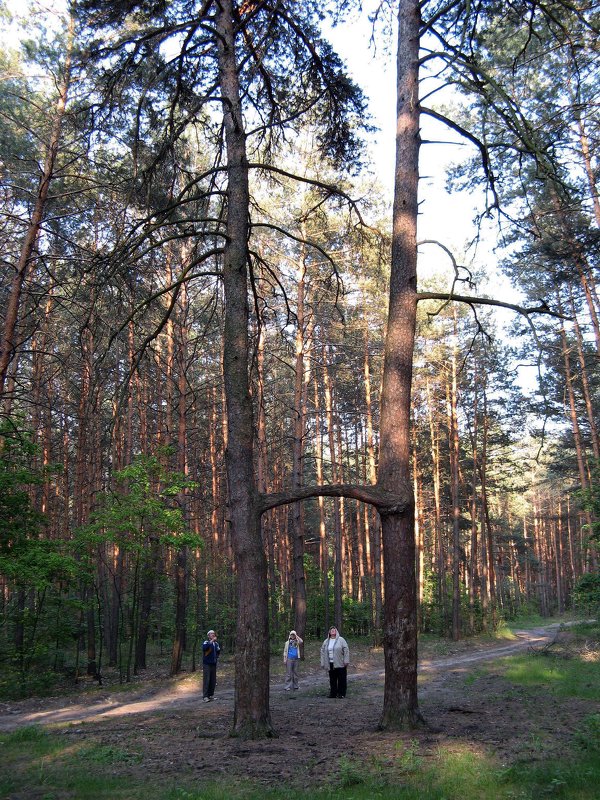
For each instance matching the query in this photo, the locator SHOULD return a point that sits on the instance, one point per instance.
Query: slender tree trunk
(375, 528)
(454, 482)
(114, 611)
(181, 570)
(181, 583)
(147, 583)
(8, 343)
(538, 552)
(170, 365)
(486, 526)
(588, 164)
(262, 464)
(295, 511)
(582, 464)
(419, 537)
(585, 383)
(574, 552)
(437, 507)
(474, 583)
(345, 560)
(83, 481)
(558, 557)
(337, 507)
(324, 545)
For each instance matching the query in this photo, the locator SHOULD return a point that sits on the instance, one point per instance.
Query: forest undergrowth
(524, 726)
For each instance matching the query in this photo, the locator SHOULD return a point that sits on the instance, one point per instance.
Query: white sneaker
(207, 699)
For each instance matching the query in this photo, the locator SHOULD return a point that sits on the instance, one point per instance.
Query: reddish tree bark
(14, 300)
(400, 704)
(251, 715)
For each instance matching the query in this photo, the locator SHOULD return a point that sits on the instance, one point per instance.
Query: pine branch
(543, 307)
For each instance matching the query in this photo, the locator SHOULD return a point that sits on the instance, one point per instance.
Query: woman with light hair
(335, 657)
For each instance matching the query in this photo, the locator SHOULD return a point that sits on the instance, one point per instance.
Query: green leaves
(38, 564)
(590, 499)
(146, 505)
(586, 592)
(18, 519)
(26, 560)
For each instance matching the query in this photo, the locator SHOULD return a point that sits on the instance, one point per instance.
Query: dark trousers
(210, 679)
(337, 681)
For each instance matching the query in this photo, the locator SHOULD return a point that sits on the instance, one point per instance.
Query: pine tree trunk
(400, 702)
(372, 525)
(251, 713)
(295, 511)
(487, 553)
(454, 482)
(437, 507)
(181, 570)
(262, 484)
(588, 164)
(337, 510)
(583, 373)
(474, 583)
(419, 538)
(147, 584)
(323, 543)
(582, 463)
(8, 342)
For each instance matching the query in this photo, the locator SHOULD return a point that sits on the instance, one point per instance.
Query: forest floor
(464, 696)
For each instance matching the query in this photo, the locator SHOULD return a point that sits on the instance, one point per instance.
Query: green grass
(562, 678)
(587, 629)
(531, 620)
(569, 668)
(462, 771)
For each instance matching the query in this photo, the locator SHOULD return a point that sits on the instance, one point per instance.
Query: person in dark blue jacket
(210, 656)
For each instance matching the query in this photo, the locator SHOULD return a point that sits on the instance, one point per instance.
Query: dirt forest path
(164, 733)
(175, 698)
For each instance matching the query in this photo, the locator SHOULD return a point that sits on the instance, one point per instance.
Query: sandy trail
(185, 695)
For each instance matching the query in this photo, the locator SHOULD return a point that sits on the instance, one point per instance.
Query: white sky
(443, 216)
(446, 217)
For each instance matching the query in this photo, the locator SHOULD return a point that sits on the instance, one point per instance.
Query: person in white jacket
(291, 657)
(335, 657)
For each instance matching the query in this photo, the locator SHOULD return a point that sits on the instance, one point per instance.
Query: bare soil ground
(170, 732)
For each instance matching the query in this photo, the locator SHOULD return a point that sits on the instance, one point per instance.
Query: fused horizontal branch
(384, 501)
(543, 307)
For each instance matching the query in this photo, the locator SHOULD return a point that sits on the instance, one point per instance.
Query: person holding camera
(291, 657)
(210, 656)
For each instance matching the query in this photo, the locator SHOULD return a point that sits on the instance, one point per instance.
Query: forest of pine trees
(152, 152)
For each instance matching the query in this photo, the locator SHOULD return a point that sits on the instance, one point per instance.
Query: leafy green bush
(586, 593)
